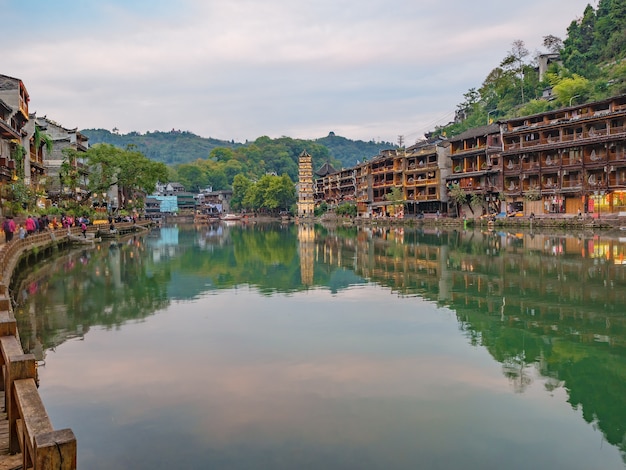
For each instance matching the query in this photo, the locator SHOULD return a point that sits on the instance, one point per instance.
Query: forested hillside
(176, 147)
(592, 67)
(198, 162)
(171, 147)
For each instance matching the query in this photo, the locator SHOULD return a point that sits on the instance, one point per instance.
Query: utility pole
(401, 141)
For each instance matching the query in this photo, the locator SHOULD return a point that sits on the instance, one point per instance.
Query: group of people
(42, 223)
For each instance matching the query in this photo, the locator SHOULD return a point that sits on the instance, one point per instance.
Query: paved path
(7, 462)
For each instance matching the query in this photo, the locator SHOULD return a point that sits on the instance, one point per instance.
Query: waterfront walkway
(27, 437)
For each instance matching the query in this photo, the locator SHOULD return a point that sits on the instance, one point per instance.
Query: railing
(30, 429)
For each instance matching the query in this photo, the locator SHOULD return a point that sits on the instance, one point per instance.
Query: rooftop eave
(7, 132)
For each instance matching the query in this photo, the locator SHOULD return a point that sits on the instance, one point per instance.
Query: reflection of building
(306, 249)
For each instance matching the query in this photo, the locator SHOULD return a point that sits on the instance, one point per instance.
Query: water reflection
(549, 308)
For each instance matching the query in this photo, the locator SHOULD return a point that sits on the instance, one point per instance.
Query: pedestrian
(83, 228)
(31, 226)
(21, 232)
(9, 228)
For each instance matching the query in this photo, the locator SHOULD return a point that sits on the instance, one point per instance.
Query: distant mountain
(176, 147)
(350, 152)
(172, 148)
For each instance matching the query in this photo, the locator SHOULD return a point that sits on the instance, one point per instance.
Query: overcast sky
(240, 69)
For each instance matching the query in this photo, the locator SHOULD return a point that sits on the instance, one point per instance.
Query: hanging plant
(18, 155)
(41, 137)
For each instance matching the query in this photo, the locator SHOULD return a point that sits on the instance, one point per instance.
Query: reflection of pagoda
(306, 239)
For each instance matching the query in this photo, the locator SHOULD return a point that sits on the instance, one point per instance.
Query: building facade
(567, 161)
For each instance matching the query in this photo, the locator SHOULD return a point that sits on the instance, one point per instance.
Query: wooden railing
(30, 429)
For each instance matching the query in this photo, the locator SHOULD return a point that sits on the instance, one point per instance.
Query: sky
(241, 69)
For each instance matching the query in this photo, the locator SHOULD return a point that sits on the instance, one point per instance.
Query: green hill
(171, 147)
(179, 147)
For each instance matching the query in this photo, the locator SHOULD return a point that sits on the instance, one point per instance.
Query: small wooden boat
(231, 217)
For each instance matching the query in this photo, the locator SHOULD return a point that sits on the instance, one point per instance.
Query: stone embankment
(556, 222)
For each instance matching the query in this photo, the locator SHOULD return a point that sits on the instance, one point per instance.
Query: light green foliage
(458, 194)
(395, 197)
(108, 166)
(346, 209)
(577, 89)
(270, 193)
(241, 184)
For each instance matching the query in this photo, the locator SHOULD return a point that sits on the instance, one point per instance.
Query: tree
(191, 177)
(241, 185)
(554, 44)
(515, 61)
(395, 197)
(280, 193)
(570, 88)
(130, 170)
(458, 196)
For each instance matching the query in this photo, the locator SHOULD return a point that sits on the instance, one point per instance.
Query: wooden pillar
(56, 449)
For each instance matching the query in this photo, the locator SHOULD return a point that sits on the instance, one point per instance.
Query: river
(305, 347)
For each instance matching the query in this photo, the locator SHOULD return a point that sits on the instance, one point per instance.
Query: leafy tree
(395, 197)
(241, 184)
(569, 89)
(280, 193)
(346, 209)
(130, 170)
(458, 196)
(514, 61)
(191, 177)
(553, 43)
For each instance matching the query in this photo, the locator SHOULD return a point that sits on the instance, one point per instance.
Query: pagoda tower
(306, 188)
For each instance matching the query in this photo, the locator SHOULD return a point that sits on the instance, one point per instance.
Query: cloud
(239, 69)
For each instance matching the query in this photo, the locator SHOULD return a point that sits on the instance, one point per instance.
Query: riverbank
(548, 222)
(551, 222)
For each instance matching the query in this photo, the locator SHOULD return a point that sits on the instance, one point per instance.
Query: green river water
(304, 347)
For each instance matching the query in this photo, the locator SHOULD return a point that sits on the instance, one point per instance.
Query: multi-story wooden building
(51, 162)
(424, 171)
(394, 183)
(563, 161)
(9, 139)
(477, 166)
(568, 160)
(14, 136)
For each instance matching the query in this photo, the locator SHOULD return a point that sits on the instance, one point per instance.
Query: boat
(206, 216)
(230, 217)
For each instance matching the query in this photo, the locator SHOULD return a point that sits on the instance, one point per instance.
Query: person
(83, 228)
(31, 227)
(21, 232)
(9, 228)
